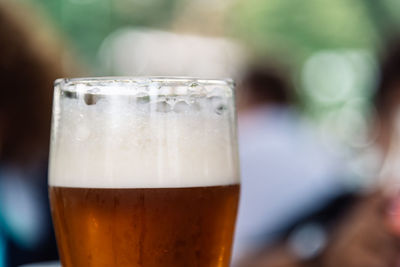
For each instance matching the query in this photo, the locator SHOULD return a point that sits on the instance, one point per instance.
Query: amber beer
(144, 172)
(145, 227)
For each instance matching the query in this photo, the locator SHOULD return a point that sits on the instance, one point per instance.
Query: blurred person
(355, 228)
(387, 125)
(386, 102)
(359, 237)
(369, 235)
(30, 62)
(286, 172)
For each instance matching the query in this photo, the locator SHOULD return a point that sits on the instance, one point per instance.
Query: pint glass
(144, 171)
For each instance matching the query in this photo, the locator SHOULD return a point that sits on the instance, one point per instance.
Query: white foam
(118, 143)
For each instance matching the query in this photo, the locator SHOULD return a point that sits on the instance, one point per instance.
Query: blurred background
(326, 56)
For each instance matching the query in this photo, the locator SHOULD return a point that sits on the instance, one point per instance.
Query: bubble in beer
(92, 96)
(193, 84)
(219, 104)
(154, 88)
(163, 106)
(142, 97)
(68, 94)
(220, 109)
(196, 91)
(181, 106)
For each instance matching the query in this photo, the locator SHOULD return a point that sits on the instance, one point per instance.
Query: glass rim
(68, 84)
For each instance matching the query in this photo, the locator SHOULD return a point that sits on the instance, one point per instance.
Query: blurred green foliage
(290, 30)
(86, 23)
(295, 29)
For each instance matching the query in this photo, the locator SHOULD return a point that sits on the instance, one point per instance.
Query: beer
(134, 182)
(145, 227)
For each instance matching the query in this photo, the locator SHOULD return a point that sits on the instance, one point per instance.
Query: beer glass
(144, 171)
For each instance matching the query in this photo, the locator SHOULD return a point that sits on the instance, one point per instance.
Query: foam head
(143, 133)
